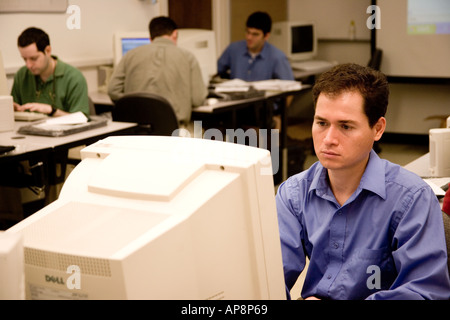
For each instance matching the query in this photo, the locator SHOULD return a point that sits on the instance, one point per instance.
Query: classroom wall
(410, 104)
(91, 45)
(86, 47)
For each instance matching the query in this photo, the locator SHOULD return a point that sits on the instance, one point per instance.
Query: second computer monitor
(297, 39)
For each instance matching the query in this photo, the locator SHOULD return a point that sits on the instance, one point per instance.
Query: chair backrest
(153, 113)
(375, 60)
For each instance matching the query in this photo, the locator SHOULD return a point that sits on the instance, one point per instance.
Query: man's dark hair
(161, 26)
(370, 83)
(34, 35)
(260, 20)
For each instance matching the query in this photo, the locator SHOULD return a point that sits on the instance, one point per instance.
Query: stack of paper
(71, 119)
(238, 85)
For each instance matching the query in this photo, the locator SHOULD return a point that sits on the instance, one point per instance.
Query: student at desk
(161, 68)
(254, 58)
(46, 84)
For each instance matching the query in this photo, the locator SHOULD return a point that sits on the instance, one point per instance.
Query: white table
(52, 151)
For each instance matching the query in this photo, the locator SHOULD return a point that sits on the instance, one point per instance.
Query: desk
(53, 150)
(222, 108)
(264, 103)
(420, 166)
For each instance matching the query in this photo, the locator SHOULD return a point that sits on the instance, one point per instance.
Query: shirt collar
(59, 69)
(372, 180)
(261, 55)
(163, 40)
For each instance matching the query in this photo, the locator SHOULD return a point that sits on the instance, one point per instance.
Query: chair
(375, 60)
(153, 113)
(446, 218)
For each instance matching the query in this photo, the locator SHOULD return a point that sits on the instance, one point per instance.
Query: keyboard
(311, 65)
(28, 116)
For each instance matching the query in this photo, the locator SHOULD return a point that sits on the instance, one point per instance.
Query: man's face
(341, 132)
(36, 61)
(255, 39)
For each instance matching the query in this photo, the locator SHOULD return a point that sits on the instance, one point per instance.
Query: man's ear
(48, 50)
(379, 128)
(174, 36)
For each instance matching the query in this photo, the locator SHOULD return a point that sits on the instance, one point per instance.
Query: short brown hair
(161, 26)
(34, 35)
(371, 84)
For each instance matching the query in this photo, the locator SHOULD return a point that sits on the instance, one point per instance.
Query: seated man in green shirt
(46, 84)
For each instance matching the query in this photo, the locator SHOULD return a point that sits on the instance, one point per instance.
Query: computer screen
(125, 41)
(296, 39)
(152, 217)
(200, 42)
(131, 43)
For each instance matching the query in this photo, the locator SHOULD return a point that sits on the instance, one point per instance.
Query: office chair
(375, 63)
(153, 113)
(446, 219)
(375, 60)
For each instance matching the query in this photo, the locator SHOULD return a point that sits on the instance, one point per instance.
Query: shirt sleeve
(283, 69)
(198, 87)
(223, 64)
(419, 252)
(294, 258)
(116, 86)
(15, 90)
(77, 95)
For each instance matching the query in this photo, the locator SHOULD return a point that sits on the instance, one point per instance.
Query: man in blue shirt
(255, 59)
(371, 229)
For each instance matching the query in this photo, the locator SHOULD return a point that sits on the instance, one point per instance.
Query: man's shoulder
(67, 68)
(22, 72)
(274, 50)
(398, 176)
(305, 177)
(236, 45)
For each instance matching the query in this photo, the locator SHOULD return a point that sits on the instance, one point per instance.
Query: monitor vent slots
(57, 261)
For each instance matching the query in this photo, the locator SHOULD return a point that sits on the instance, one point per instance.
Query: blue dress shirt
(270, 63)
(386, 242)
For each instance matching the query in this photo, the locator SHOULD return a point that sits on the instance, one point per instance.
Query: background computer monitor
(3, 80)
(200, 42)
(296, 39)
(125, 41)
(150, 217)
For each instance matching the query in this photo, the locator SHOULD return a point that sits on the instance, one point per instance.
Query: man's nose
(331, 135)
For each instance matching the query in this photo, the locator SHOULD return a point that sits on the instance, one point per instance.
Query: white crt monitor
(125, 41)
(150, 217)
(297, 40)
(200, 42)
(3, 80)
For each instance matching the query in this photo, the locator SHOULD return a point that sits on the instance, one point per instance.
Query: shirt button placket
(337, 236)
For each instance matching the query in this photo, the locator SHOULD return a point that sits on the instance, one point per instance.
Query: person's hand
(34, 107)
(312, 298)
